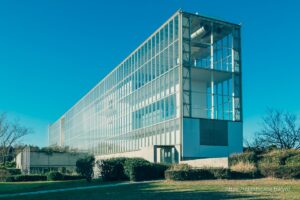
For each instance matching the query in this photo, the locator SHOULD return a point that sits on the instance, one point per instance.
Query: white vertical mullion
(232, 63)
(212, 73)
(179, 49)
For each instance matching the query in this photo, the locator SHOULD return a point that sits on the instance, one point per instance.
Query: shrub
(84, 167)
(246, 157)
(244, 174)
(220, 173)
(139, 172)
(4, 173)
(21, 178)
(281, 171)
(158, 170)
(244, 170)
(8, 179)
(55, 176)
(190, 174)
(180, 167)
(277, 157)
(63, 170)
(9, 164)
(133, 167)
(208, 173)
(14, 171)
(112, 169)
(280, 164)
(140, 169)
(177, 175)
(293, 160)
(202, 174)
(72, 177)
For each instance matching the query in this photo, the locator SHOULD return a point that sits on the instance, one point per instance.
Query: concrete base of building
(207, 162)
(147, 153)
(153, 154)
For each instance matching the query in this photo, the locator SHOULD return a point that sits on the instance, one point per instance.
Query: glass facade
(135, 106)
(54, 133)
(211, 75)
(190, 67)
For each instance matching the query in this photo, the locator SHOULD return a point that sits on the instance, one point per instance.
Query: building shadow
(144, 191)
(192, 193)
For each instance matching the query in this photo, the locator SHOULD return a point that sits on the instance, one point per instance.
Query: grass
(211, 189)
(17, 187)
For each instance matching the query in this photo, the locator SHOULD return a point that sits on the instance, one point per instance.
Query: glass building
(177, 97)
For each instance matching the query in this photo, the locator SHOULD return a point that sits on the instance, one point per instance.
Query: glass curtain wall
(211, 78)
(136, 105)
(54, 133)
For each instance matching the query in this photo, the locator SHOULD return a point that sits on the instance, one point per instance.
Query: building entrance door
(168, 154)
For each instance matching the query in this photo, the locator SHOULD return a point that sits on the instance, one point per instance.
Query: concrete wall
(191, 141)
(26, 160)
(54, 159)
(207, 162)
(146, 153)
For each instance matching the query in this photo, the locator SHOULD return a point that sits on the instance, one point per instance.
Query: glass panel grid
(131, 107)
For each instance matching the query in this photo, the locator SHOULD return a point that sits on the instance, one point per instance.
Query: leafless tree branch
(279, 129)
(10, 134)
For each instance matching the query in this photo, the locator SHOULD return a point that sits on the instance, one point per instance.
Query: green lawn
(16, 187)
(213, 189)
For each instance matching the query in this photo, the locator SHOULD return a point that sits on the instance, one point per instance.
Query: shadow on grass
(174, 192)
(145, 191)
(18, 187)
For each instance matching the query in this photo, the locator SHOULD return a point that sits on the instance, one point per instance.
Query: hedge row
(134, 169)
(52, 177)
(23, 178)
(197, 174)
(72, 177)
(6, 172)
(57, 176)
(3, 174)
(209, 173)
(285, 171)
(112, 169)
(139, 170)
(14, 171)
(244, 174)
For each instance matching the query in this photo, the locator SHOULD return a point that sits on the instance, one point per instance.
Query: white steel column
(212, 73)
(180, 68)
(232, 63)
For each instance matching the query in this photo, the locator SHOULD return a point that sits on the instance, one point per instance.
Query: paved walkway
(74, 188)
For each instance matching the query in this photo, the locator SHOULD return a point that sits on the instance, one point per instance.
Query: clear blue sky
(54, 51)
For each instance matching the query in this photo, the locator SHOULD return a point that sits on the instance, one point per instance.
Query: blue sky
(52, 52)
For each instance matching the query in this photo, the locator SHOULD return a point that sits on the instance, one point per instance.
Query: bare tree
(10, 134)
(279, 129)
